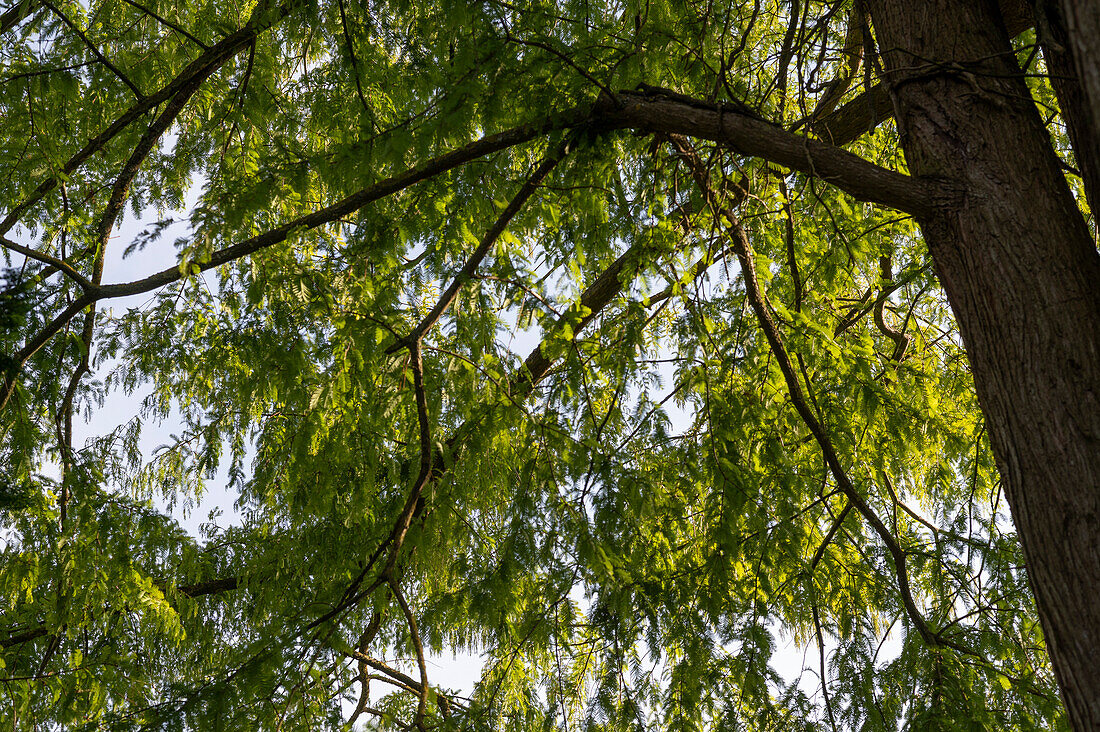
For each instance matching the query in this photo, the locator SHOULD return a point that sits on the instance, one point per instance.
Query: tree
(741, 237)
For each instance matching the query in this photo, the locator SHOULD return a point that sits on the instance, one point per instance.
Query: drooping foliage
(488, 373)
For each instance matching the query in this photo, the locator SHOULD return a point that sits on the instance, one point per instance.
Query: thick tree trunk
(1023, 278)
(1070, 35)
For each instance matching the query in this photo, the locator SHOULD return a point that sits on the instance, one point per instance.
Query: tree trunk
(1070, 36)
(1023, 277)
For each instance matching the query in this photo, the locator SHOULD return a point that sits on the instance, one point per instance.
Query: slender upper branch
(94, 49)
(487, 241)
(210, 60)
(165, 22)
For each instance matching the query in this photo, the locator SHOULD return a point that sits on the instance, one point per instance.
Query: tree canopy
(597, 338)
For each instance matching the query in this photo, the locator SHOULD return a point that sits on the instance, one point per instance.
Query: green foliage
(629, 539)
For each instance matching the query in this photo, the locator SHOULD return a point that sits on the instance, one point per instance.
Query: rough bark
(1070, 36)
(1023, 277)
(753, 136)
(866, 111)
(855, 118)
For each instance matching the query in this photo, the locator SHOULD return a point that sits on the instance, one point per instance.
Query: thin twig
(829, 536)
(468, 270)
(422, 705)
(821, 660)
(354, 62)
(95, 51)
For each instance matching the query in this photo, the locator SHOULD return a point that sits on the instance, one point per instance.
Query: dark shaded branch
(55, 263)
(24, 637)
(401, 528)
(755, 137)
(16, 14)
(855, 46)
(786, 51)
(606, 287)
(595, 297)
(210, 587)
(788, 237)
(354, 61)
(837, 522)
(413, 504)
(145, 145)
(821, 661)
(40, 339)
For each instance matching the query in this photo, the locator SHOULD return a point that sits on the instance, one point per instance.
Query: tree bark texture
(1069, 33)
(1023, 277)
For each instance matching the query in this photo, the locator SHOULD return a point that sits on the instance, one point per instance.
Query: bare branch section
(414, 634)
(402, 679)
(856, 118)
(755, 137)
(48, 260)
